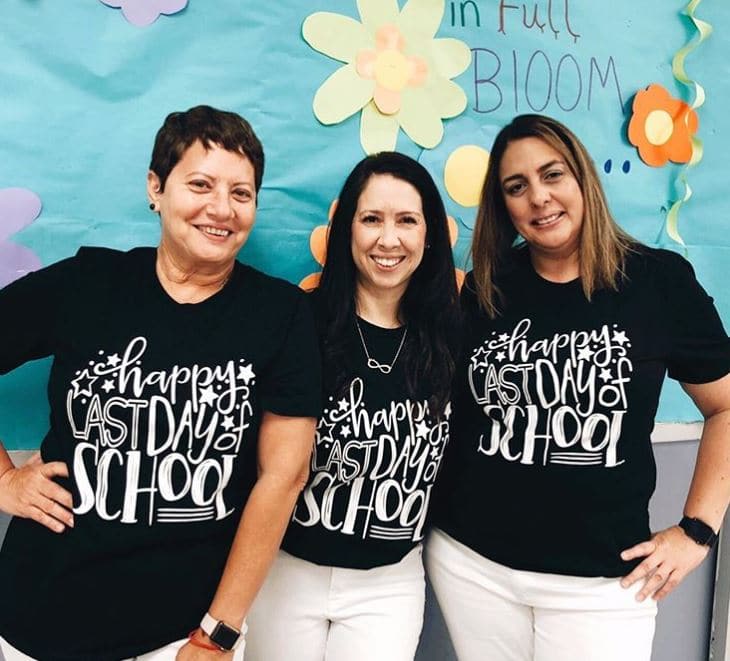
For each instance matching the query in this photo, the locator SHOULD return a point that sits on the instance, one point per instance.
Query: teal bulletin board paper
(83, 92)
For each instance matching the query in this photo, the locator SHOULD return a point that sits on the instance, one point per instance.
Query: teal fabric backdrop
(83, 91)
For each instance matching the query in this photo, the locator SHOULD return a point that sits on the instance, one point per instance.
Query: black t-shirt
(376, 457)
(551, 467)
(155, 409)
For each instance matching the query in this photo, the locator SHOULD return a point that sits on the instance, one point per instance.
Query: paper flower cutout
(662, 127)
(390, 68)
(464, 173)
(318, 246)
(395, 71)
(19, 207)
(145, 12)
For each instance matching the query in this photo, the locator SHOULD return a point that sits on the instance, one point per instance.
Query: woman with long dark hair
(348, 583)
(571, 326)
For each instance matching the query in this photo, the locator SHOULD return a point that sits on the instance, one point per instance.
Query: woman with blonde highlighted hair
(603, 245)
(542, 549)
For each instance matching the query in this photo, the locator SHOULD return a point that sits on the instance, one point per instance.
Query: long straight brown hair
(603, 244)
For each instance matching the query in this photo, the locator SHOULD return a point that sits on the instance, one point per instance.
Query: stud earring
(153, 206)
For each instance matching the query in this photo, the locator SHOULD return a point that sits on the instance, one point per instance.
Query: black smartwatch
(221, 634)
(698, 531)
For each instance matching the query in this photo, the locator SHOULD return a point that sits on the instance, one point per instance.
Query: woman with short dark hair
(571, 326)
(183, 397)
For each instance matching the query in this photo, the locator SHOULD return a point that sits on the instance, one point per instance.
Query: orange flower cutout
(662, 127)
(318, 247)
(390, 68)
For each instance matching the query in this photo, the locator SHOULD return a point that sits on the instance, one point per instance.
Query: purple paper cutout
(19, 207)
(145, 12)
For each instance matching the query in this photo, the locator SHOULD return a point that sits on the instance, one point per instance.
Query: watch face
(224, 636)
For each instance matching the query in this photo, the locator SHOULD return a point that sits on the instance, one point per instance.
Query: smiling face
(208, 207)
(388, 235)
(543, 199)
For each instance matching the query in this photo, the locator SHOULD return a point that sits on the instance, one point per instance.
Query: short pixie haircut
(211, 127)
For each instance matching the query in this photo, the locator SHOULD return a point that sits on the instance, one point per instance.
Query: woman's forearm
(709, 491)
(257, 540)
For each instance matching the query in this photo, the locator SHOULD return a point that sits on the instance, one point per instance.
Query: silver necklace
(374, 364)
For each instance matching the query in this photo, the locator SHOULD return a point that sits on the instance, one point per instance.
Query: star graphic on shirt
(228, 423)
(500, 355)
(479, 357)
(108, 385)
(605, 375)
(434, 453)
(345, 432)
(422, 429)
(324, 431)
(207, 395)
(114, 359)
(82, 384)
(620, 337)
(342, 404)
(246, 373)
(503, 337)
(585, 353)
(447, 410)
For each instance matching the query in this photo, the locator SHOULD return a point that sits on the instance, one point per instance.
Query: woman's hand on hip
(668, 557)
(30, 492)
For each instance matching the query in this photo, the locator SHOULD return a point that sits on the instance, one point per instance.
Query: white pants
(494, 613)
(166, 653)
(307, 612)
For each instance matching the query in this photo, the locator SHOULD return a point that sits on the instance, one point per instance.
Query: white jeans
(166, 653)
(494, 613)
(307, 612)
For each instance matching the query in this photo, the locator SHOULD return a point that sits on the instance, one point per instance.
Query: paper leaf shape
(145, 12)
(662, 127)
(19, 207)
(394, 71)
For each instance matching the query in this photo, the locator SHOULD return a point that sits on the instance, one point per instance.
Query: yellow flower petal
(450, 56)
(338, 37)
(421, 17)
(419, 119)
(376, 12)
(378, 132)
(342, 95)
(445, 96)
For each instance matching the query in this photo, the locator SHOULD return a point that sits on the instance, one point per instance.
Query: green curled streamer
(704, 30)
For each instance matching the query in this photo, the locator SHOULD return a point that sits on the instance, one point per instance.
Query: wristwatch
(221, 634)
(698, 531)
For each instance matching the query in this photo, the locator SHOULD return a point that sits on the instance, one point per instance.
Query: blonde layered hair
(603, 244)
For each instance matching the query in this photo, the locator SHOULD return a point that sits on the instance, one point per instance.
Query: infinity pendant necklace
(374, 364)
